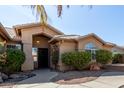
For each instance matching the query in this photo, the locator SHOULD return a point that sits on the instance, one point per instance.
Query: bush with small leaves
(78, 60)
(118, 58)
(15, 58)
(103, 56)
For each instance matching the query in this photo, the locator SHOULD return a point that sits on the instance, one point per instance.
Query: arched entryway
(40, 51)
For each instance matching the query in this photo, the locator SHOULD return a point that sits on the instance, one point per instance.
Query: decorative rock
(31, 75)
(23, 76)
(95, 67)
(1, 80)
(14, 76)
(4, 76)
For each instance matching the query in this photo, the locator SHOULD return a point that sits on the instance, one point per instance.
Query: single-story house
(39, 41)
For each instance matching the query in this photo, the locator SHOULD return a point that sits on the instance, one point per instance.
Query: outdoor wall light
(37, 41)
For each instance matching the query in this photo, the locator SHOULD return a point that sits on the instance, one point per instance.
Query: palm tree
(41, 12)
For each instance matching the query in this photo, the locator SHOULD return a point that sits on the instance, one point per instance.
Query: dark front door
(43, 58)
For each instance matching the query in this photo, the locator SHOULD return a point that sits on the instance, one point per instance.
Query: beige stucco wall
(37, 30)
(2, 41)
(27, 48)
(67, 46)
(27, 40)
(98, 44)
(106, 47)
(117, 50)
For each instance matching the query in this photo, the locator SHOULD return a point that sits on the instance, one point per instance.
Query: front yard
(76, 77)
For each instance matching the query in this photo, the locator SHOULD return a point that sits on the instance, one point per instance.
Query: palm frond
(41, 12)
(59, 10)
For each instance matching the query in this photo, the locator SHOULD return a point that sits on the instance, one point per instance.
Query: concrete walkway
(41, 80)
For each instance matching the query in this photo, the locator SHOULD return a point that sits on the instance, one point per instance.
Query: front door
(43, 58)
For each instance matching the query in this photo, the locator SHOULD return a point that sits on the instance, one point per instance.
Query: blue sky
(105, 21)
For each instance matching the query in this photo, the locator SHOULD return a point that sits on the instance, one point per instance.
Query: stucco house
(39, 41)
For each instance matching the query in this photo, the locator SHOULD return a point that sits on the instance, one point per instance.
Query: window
(34, 54)
(12, 46)
(90, 47)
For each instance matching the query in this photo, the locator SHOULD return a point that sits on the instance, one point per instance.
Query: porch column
(27, 48)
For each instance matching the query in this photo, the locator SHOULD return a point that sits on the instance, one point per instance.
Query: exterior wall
(117, 50)
(109, 48)
(27, 40)
(98, 44)
(83, 42)
(27, 48)
(38, 30)
(2, 41)
(66, 46)
(43, 42)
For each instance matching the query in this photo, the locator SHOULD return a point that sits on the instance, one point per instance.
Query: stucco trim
(4, 33)
(92, 35)
(6, 36)
(119, 47)
(78, 38)
(29, 25)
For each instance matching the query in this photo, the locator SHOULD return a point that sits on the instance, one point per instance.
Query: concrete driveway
(42, 80)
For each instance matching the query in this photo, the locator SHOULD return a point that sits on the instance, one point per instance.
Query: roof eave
(23, 26)
(4, 32)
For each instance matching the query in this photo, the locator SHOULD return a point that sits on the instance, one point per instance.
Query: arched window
(91, 48)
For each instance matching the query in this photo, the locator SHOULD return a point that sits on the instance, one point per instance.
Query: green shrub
(79, 60)
(118, 58)
(103, 56)
(15, 58)
(68, 58)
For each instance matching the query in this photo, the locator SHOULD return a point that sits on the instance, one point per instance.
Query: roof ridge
(26, 25)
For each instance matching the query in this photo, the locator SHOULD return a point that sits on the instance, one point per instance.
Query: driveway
(42, 80)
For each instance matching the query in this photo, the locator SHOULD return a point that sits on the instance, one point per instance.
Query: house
(39, 41)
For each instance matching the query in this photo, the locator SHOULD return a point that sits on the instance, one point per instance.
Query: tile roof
(10, 31)
(27, 25)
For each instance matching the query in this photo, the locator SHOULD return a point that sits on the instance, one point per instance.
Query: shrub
(68, 58)
(79, 60)
(118, 58)
(103, 56)
(15, 58)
